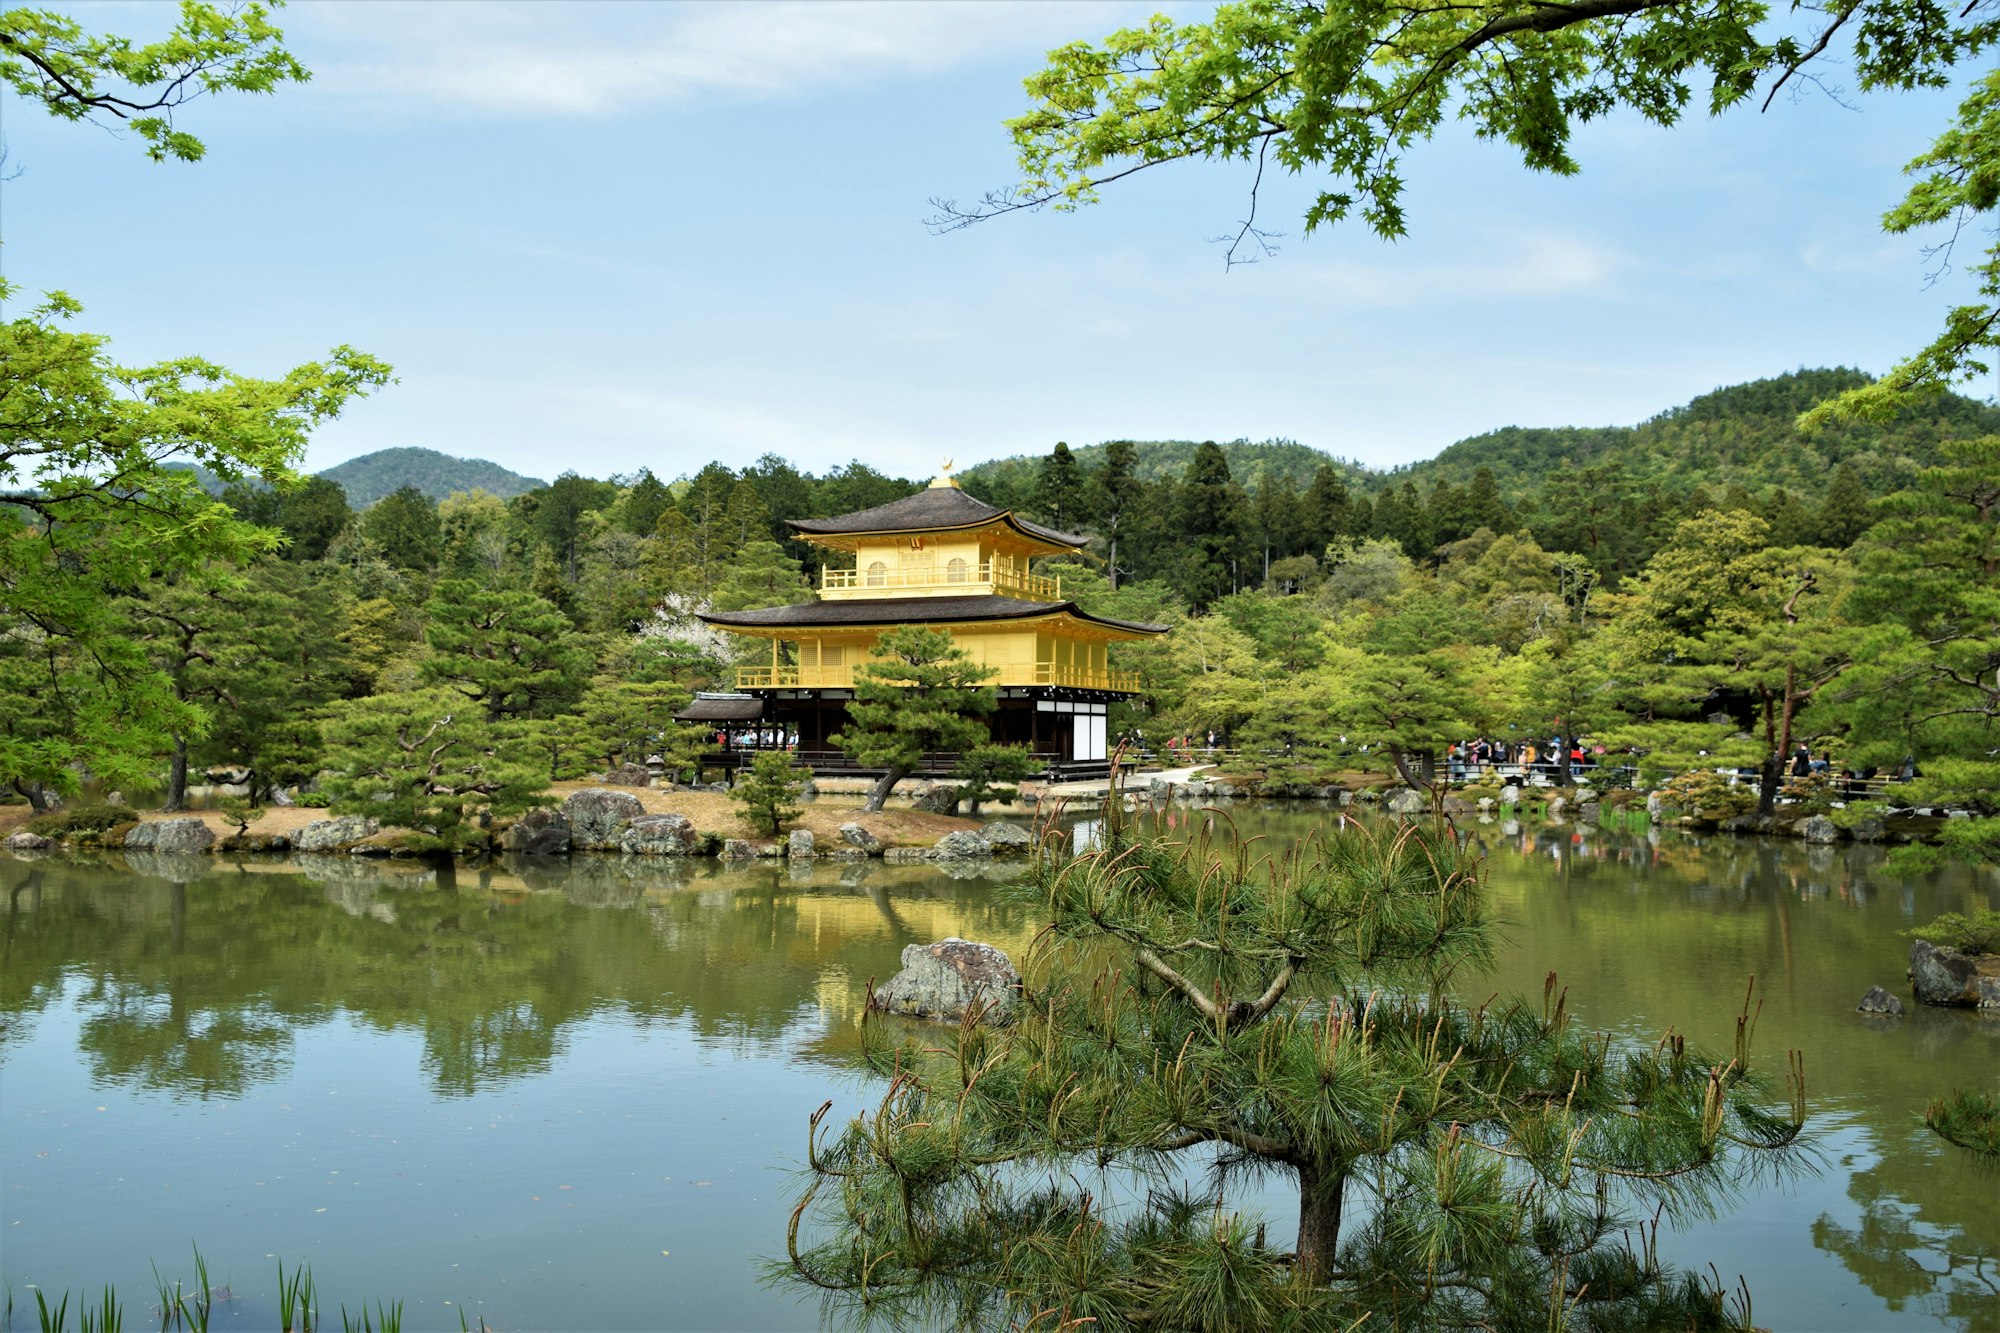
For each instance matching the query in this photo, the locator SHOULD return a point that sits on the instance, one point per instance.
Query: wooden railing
(971, 578)
(1083, 678)
(842, 678)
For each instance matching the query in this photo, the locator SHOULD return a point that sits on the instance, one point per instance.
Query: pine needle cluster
(1197, 1020)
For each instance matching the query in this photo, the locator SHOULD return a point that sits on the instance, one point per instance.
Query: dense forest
(1678, 592)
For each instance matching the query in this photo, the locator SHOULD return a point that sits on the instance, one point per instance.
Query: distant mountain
(370, 477)
(1741, 435)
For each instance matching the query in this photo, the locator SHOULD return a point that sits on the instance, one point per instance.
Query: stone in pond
(657, 835)
(948, 979)
(856, 836)
(800, 844)
(961, 845)
(597, 817)
(335, 835)
(1007, 839)
(1947, 977)
(171, 835)
(1879, 1001)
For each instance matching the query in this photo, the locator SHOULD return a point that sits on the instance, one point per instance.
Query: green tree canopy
(918, 694)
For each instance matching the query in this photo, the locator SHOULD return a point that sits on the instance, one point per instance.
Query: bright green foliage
(1978, 933)
(92, 513)
(1924, 680)
(767, 791)
(429, 762)
(918, 694)
(79, 75)
(1292, 737)
(989, 773)
(511, 652)
(473, 533)
(1199, 1024)
(1409, 689)
(1717, 610)
(1346, 88)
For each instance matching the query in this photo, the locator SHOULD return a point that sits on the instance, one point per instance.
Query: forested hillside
(1286, 460)
(1744, 435)
(370, 477)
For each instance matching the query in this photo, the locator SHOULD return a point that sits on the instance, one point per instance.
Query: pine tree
(761, 575)
(645, 499)
(920, 693)
(403, 527)
(1115, 491)
(1199, 1023)
(1327, 513)
(989, 773)
(1843, 515)
(1208, 527)
(514, 654)
(767, 791)
(1059, 492)
(428, 762)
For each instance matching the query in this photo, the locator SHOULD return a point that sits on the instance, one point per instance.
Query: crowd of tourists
(1481, 757)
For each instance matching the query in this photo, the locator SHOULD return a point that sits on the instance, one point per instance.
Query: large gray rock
(856, 836)
(961, 845)
(1456, 805)
(1879, 1001)
(905, 855)
(1159, 789)
(1590, 812)
(940, 798)
(629, 775)
(1558, 808)
(800, 844)
(948, 979)
(171, 835)
(739, 849)
(335, 835)
(657, 835)
(1510, 794)
(25, 841)
(1819, 829)
(1869, 828)
(597, 818)
(1004, 839)
(1406, 801)
(1948, 977)
(538, 833)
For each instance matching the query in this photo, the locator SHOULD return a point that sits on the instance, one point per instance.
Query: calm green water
(569, 1097)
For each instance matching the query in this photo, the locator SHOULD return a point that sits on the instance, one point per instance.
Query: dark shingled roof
(900, 610)
(743, 709)
(937, 507)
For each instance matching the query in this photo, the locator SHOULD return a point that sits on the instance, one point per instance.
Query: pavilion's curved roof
(912, 610)
(939, 508)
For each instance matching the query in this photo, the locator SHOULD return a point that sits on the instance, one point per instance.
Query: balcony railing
(842, 678)
(1083, 678)
(999, 579)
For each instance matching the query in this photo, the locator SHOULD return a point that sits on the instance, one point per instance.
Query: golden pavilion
(944, 560)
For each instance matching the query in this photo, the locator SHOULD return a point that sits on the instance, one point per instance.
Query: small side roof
(723, 708)
(937, 508)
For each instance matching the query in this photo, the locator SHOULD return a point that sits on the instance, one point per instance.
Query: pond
(571, 1096)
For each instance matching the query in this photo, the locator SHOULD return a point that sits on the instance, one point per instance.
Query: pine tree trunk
(177, 777)
(1768, 781)
(1320, 1194)
(883, 786)
(1563, 776)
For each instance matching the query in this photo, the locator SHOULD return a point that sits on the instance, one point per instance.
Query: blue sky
(600, 237)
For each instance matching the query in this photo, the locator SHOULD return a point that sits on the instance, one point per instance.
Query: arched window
(954, 571)
(878, 574)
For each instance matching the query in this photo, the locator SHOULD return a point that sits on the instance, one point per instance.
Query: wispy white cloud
(1520, 267)
(578, 59)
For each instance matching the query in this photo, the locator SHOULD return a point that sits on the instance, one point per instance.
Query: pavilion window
(878, 574)
(954, 571)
